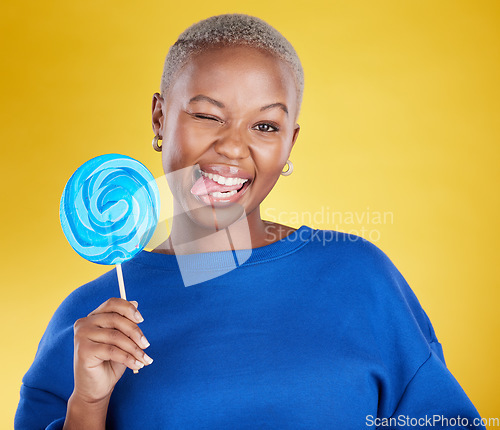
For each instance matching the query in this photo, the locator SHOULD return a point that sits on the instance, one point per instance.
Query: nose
(232, 145)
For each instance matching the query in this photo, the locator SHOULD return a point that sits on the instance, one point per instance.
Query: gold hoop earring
(290, 169)
(156, 147)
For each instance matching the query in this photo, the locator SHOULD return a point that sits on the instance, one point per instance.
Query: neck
(190, 237)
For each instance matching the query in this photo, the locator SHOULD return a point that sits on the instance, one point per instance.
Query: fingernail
(144, 342)
(139, 317)
(138, 363)
(148, 359)
(134, 303)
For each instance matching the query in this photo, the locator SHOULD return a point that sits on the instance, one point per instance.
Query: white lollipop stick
(121, 284)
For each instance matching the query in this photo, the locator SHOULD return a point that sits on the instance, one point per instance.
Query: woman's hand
(107, 341)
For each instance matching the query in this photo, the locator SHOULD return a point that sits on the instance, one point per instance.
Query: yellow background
(400, 115)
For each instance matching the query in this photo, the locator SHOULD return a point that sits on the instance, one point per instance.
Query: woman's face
(231, 112)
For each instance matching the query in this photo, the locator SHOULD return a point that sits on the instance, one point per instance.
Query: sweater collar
(227, 259)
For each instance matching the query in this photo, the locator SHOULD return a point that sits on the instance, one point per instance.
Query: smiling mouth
(212, 188)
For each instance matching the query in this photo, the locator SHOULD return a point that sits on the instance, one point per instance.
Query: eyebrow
(201, 97)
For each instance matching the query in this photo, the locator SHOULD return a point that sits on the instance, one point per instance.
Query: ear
(157, 114)
(295, 133)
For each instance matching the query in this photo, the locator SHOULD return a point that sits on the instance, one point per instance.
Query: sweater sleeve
(429, 395)
(49, 382)
(39, 409)
(433, 398)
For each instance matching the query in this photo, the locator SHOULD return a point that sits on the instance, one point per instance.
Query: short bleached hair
(231, 30)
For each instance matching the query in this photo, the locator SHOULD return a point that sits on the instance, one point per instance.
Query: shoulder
(371, 275)
(352, 251)
(349, 250)
(80, 302)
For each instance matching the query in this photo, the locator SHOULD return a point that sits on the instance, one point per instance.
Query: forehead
(237, 72)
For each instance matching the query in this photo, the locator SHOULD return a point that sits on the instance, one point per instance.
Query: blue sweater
(316, 331)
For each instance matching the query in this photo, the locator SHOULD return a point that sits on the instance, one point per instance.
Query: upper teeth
(222, 180)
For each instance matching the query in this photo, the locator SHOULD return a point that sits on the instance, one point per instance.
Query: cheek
(270, 159)
(183, 148)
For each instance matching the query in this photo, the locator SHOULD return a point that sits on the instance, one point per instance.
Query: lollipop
(109, 210)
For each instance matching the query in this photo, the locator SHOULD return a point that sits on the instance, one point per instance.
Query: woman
(279, 328)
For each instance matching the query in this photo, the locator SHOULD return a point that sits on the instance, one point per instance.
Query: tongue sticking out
(205, 185)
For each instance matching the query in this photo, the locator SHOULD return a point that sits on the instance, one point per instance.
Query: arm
(41, 408)
(434, 398)
(106, 342)
(83, 415)
(419, 386)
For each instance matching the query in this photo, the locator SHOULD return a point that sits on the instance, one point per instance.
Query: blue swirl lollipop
(109, 210)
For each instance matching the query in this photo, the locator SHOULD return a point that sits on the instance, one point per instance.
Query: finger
(104, 352)
(134, 303)
(120, 306)
(116, 338)
(118, 322)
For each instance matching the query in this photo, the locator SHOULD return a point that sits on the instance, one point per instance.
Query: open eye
(266, 127)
